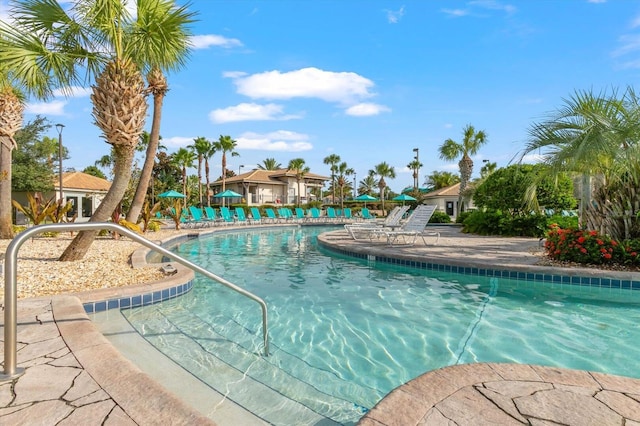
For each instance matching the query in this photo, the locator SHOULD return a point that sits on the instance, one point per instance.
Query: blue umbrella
(403, 198)
(365, 198)
(227, 194)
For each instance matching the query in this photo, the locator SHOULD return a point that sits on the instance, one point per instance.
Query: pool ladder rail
(11, 294)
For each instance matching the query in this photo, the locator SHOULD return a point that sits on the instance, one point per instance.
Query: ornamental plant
(589, 247)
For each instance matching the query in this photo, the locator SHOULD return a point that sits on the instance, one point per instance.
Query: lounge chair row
(196, 217)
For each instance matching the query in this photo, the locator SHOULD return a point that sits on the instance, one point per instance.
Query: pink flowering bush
(589, 247)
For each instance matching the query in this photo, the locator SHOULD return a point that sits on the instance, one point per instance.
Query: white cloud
(366, 109)
(206, 41)
(73, 92)
(341, 87)
(46, 108)
(532, 158)
(493, 5)
(394, 16)
(177, 141)
(250, 112)
(281, 140)
(455, 12)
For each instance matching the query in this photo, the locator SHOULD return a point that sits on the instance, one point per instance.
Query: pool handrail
(11, 293)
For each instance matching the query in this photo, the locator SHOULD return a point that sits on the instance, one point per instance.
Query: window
(87, 206)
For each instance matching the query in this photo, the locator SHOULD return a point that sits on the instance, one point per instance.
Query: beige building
(272, 187)
(447, 199)
(84, 192)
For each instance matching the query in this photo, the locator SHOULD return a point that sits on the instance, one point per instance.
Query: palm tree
(201, 146)
(438, 180)
(487, 169)
(207, 155)
(158, 54)
(269, 164)
(369, 184)
(384, 171)
(343, 171)
(415, 165)
(450, 150)
(596, 136)
(225, 144)
(184, 158)
(32, 63)
(297, 165)
(333, 161)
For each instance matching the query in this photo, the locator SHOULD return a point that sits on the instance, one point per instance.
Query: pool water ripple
(345, 332)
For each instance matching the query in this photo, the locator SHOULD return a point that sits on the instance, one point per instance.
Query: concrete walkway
(74, 376)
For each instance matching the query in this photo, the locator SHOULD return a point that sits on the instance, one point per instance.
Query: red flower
(583, 250)
(607, 256)
(634, 254)
(593, 233)
(613, 243)
(581, 240)
(599, 242)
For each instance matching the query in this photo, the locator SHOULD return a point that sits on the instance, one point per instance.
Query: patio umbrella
(227, 194)
(365, 198)
(403, 198)
(171, 194)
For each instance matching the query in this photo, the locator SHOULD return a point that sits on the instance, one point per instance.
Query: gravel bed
(106, 265)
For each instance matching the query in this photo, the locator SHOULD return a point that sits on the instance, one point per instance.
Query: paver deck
(74, 376)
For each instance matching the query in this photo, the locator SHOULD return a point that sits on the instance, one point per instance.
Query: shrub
(462, 216)
(589, 247)
(496, 222)
(440, 217)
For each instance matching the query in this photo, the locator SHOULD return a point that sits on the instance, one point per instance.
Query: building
(272, 187)
(85, 193)
(447, 199)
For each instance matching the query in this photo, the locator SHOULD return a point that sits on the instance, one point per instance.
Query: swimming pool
(345, 332)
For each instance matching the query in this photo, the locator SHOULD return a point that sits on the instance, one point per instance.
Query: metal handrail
(11, 293)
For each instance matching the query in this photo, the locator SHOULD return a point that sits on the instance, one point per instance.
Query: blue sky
(372, 80)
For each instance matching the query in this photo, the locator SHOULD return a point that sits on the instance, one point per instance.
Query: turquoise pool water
(345, 332)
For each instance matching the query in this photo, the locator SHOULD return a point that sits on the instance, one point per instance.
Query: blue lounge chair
(211, 216)
(241, 217)
(226, 215)
(285, 214)
(271, 215)
(315, 213)
(255, 215)
(197, 218)
(366, 215)
(300, 214)
(331, 214)
(346, 213)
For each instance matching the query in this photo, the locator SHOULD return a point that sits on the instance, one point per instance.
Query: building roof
(269, 177)
(447, 191)
(82, 182)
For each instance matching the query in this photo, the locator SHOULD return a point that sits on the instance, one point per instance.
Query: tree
(451, 150)
(201, 146)
(32, 169)
(297, 165)
(438, 180)
(369, 184)
(31, 64)
(94, 171)
(158, 54)
(269, 164)
(415, 165)
(184, 158)
(596, 136)
(166, 175)
(487, 169)
(384, 171)
(506, 190)
(207, 155)
(332, 160)
(225, 144)
(343, 171)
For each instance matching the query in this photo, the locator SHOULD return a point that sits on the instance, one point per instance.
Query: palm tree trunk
(206, 172)
(6, 228)
(122, 173)
(199, 180)
(224, 174)
(147, 169)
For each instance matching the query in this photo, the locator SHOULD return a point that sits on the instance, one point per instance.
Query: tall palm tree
(201, 146)
(595, 135)
(369, 184)
(437, 180)
(472, 140)
(158, 54)
(384, 171)
(269, 164)
(332, 160)
(297, 165)
(33, 63)
(225, 144)
(415, 165)
(184, 158)
(343, 171)
(207, 155)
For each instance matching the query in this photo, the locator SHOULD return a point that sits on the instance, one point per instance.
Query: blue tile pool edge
(604, 282)
(138, 300)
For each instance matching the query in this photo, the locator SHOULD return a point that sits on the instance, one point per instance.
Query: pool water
(345, 332)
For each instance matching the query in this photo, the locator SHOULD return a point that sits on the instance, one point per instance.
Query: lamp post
(60, 127)
(355, 185)
(240, 167)
(417, 157)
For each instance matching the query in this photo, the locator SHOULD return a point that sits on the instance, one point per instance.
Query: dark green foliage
(495, 222)
(32, 169)
(440, 217)
(506, 190)
(460, 218)
(94, 171)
